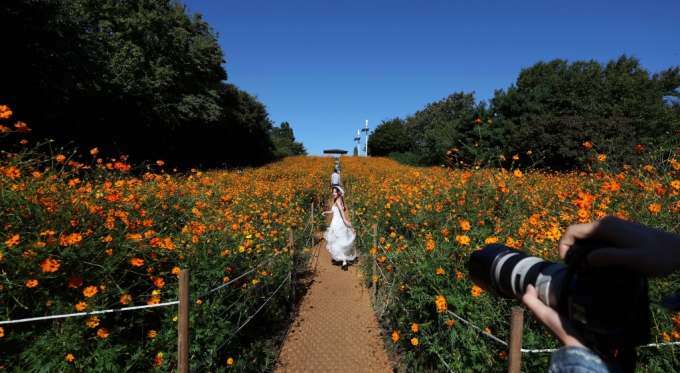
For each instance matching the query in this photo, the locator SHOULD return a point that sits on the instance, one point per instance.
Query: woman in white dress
(340, 234)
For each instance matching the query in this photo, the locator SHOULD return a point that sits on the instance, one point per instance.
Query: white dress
(339, 238)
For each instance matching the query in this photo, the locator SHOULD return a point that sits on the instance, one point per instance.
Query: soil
(335, 329)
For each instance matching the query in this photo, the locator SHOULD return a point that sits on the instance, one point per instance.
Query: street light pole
(366, 143)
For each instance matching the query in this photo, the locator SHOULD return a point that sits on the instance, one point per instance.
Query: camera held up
(608, 305)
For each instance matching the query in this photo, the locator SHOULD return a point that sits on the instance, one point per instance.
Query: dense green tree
(140, 77)
(389, 136)
(284, 142)
(556, 106)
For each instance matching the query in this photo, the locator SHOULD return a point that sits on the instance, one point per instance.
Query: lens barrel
(506, 272)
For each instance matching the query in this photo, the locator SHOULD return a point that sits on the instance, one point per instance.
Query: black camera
(608, 305)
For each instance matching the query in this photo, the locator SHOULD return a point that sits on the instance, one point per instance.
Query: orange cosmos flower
(151, 334)
(414, 341)
(137, 262)
(50, 265)
(588, 145)
(31, 283)
(601, 157)
(459, 275)
(440, 301)
(430, 245)
(90, 291)
(465, 225)
(5, 112)
(125, 298)
(612, 186)
(70, 358)
(160, 163)
(639, 148)
(463, 240)
(440, 271)
(654, 208)
(478, 121)
(476, 291)
(13, 241)
(103, 333)
(81, 306)
(450, 323)
(395, 336)
(230, 361)
(414, 327)
(517, 173)
(503, 354)
(60, 158)
(159, 282)
(2, 332)
(158, 361)
(155, 299)
(75, 282)
(94, 151)
(93, 322)
(22, 127)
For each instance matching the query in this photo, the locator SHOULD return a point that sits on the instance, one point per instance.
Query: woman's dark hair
(341, 195)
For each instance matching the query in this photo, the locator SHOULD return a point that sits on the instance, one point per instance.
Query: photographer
(646, 250)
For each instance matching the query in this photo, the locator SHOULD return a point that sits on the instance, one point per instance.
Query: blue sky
(326, 66)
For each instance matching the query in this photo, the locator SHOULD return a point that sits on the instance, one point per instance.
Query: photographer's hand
(643, 249)
(558, 325)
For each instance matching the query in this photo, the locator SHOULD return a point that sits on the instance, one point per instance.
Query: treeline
(142, 78)
(558, 116)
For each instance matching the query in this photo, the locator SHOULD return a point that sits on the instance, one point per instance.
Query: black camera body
(608, 305)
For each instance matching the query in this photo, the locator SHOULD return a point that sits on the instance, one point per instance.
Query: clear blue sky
(327, 66)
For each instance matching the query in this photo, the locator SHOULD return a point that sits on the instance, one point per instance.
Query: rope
(240, 327)
(229, 282)
(88, 313)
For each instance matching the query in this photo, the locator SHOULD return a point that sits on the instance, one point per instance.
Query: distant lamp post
(366, 142)
(358, 140)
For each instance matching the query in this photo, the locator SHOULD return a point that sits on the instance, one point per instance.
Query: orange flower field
(91, 233)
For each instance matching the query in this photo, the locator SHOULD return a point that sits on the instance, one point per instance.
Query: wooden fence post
(515, 343)
(375, 263)
(291, 251)
(183, 323)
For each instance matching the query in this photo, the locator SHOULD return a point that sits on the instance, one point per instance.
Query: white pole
(366, 152)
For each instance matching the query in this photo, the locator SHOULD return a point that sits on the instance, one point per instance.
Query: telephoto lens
(506, 272)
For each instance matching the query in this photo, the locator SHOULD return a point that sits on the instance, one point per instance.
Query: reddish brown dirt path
(335, 329)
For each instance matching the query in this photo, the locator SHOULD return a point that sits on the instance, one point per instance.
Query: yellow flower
(515, 157)
(440, 271)
(517, 172)
(488, 330)
(440, 301)
(414, 341)
(198, 301)
(2, 332)
(70, 358)
(230, 361)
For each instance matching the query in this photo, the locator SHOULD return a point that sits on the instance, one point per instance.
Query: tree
(554, 105)
(141, 77)
(284, 142)
(389, 136)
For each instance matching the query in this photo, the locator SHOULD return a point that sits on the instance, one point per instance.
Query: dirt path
(335, 329)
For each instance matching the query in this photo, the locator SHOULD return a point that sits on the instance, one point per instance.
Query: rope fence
(183, 298)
